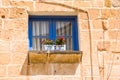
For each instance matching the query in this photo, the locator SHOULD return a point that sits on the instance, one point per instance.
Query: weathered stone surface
(6, 35)
(83, 16)
(18, 58)
(98, 3)
(114, 34)
(17, 13)
(97, 24)
(19, 46)
(20, 24)
(84, 24)
(108, 3)
(39, 69)
(79, 3)
(14, 70)
(2, 70)
(116, 3)
(114, 23)
(114, 71)
(4, 12)
(4, 46)
(5, 2)
(49, 7)
(23, 4)
(87, 70)
(110, 13)
(4, 58)
(23, 35)
(103, 46)
(94, 13)
(97, 35)
(66, 69)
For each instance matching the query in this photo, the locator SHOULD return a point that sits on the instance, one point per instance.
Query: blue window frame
(52, 27)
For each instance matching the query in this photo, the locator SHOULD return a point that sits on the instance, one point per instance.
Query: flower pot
(48, 47)
(60, 47)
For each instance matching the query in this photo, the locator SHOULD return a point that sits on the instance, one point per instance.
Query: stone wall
(99, 38)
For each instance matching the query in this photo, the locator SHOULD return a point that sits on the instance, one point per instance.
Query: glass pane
(63, 28)
(37, 43)
(40, 28)
(68, 43)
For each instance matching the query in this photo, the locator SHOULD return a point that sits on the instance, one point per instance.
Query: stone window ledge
(54, 57)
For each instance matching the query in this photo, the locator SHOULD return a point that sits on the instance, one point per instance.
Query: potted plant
(60, 44)
(48, 45)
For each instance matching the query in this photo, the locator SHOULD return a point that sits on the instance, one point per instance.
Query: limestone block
(17, 13)
(114, 34)
(2, 70)
(79, 3)
(39, 69)
(4, 46)
(94, 13)
(19, 35)
(113, 71)
(111, 58)
(23, 4)
(97, 24)
(14, 70)
(83, 16)
(20, 24)
(66, 69)
(114, 23)
(6, 35)
(4, 58)
(115, 47)
(109, 13)
(5, 2)
(51, 6)
(97, 35)
(116, 3)
(98, 3)
(108, 3)
(103, 46)
(18, 58)
(4, 13)
(84, 24)
(87, 70)
(19, 46)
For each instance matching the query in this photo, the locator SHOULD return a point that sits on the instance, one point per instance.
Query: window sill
(54, 57)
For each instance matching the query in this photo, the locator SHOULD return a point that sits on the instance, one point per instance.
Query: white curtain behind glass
(40, 32)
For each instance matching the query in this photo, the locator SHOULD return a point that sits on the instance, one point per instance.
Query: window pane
(40, 28)
(65, 29)
(40, 31)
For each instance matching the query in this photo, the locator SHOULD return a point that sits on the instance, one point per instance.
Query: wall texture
(99, 38)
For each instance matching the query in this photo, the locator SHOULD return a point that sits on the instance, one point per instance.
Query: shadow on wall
(50, 68)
